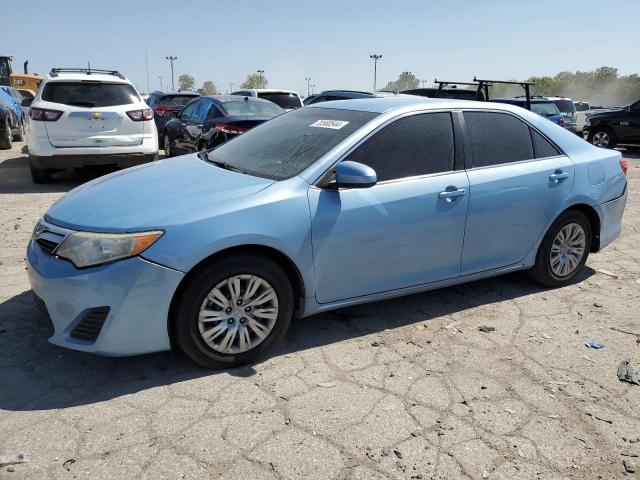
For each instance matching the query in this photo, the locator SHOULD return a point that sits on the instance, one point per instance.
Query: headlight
(85, 249)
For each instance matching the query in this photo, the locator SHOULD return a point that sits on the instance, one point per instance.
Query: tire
(603, 137)
(219, 353)
(167, 146)
(547, 271)
(40, 175)
(19, 137)
(6, 136)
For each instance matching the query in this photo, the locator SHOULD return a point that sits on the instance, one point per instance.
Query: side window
(214, 112)
(497, 138)
(201, 110)
(542, 148)
(416, 145)
(187, 113)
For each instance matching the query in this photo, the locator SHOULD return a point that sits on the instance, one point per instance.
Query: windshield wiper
(222, 164)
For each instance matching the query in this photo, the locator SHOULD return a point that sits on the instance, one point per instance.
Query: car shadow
(39, 376)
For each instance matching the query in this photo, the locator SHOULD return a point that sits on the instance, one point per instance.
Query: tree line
(187, 82)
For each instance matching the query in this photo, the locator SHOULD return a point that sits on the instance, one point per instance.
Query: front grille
(89, 327)
(47, 245)
(43, 310)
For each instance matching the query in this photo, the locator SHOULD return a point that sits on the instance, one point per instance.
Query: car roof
(78, 76)
(521, 100)
(185, 93)
(267, 90)
(408, 102)
(235, 98)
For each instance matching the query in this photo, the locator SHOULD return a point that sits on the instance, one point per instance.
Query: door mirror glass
(354, 175)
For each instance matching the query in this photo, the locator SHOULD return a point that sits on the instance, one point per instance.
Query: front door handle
(451, 194)
(558, 175)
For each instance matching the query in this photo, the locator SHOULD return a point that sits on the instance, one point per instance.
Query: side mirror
(354, 175)
(174, 113)
(26, 102)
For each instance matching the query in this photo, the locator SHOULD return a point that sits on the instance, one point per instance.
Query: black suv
(163, 104)
(614, 127)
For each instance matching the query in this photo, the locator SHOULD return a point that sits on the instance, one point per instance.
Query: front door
(406, 230)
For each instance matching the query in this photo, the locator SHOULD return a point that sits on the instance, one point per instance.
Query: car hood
(152, 196)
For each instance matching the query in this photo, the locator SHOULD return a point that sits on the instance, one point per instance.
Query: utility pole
(308, 79)
(231, 85)
(375, 57)
(313, 85)
(172, 59)
(160, 77)
(423, 83)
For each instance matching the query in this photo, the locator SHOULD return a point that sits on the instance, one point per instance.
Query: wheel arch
(284, 261)
(594, 222)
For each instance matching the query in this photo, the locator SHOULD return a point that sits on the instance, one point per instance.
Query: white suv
(286, 99)
(88, 117)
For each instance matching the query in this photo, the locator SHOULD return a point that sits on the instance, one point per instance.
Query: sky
(328, 41)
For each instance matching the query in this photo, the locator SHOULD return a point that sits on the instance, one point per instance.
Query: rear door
(95, 114)
(518, 181)
(180, 126)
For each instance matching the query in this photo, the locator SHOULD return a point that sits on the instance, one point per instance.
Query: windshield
(90, 93)
(545, 108)
(252, 108)
(565, 106)
(284, 99)
(175, 100)
(287, 145)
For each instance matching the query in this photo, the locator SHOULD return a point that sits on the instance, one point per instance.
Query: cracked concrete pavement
(406, 388)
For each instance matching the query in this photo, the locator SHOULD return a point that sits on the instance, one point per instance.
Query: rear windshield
(545, 108)
(284, 99)
(565, 106)
(175, 100)
(288, 144)
(247, 107)
(90, 93)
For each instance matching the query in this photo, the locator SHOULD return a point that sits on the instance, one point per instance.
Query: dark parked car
(11, 125)
(544, 108)
(163, 103)
(332, 95)
(209, 121)
(614, 127)
(458, 93)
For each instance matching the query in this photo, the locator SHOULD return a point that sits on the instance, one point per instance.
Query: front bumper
(137, 292)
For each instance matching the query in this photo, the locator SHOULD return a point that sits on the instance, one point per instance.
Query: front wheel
(6, 137)
(233, 310)
(564, 250)
(603, 138)
(167, 146)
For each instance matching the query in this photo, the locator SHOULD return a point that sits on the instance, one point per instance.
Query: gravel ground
(407, 388)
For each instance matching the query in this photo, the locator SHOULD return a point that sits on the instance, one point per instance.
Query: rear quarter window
(497, 138)
(90, 94)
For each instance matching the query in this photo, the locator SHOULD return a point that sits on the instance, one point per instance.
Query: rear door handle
(558, 175)
(450, 194)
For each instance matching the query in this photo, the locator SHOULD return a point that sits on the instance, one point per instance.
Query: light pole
(375, 57)
(423, 83)
(160, 77)
(308, 79)
(172, 59)
(313, 85)
(261, 73)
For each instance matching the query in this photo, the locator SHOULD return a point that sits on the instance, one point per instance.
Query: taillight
(561, 121)
(624, 165)
(232, 129)
(141, 115)
(44, 114)
(160, 110)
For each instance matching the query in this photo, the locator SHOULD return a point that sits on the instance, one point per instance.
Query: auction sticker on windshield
(334, 124)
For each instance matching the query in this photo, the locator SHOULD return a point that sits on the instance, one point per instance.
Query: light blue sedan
(320, 208)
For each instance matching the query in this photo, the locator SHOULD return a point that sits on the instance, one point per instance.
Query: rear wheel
(603, 138)
(5, 135)
(564, 250)
(40, 175)
(19, 137)
(167, 146)
(233, 310)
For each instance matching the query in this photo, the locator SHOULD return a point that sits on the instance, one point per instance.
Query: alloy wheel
(568, 249)
(238, 314)
(601, 139)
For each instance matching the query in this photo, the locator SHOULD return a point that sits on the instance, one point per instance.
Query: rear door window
(497, 138)
(417, 145)
(282, 99)
(90, 94)
(201, 110)
(542, 148)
